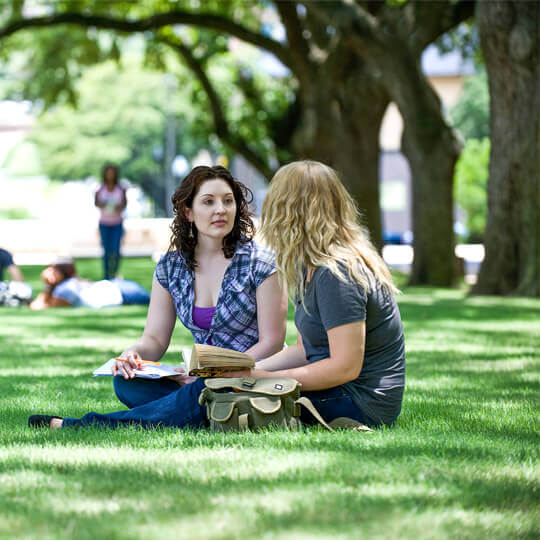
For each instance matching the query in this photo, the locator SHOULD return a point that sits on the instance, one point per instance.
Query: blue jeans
(132, 292)
(332, 403)
(110, 240)
(172, 406)
(163, 403)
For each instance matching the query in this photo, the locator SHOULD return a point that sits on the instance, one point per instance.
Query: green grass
(462, 461)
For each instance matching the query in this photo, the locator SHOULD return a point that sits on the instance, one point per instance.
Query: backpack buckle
(249, 382)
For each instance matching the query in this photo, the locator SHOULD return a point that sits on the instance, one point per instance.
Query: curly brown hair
(182, 240)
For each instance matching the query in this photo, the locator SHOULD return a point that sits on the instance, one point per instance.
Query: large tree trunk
(510, 37)
(340, 127)
(432, 151)
(432, 169)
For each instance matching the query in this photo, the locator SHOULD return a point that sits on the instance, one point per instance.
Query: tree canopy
(345, 61)
(77, 143)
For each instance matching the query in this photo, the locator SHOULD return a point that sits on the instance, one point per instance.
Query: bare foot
(56, 423)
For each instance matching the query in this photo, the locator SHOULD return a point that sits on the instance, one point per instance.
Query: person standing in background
(111, 200)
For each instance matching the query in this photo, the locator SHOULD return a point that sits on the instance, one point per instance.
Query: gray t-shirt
(332, 302)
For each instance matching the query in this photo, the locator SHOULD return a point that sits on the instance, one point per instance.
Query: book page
(186, 358)
(210, 356)
(148, 371)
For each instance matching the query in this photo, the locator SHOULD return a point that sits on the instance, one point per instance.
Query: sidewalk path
(400, 258)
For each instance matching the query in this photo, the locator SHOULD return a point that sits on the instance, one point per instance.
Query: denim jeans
(332, 403)
(110, 240)
(132, 292)
(163, 403)
(172, 406)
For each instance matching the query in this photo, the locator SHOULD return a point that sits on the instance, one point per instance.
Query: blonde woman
(350, 355)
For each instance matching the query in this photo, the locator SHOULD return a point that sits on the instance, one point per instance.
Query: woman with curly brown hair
(223, 287)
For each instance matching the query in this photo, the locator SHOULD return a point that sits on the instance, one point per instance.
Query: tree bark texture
(356, 104)
(390, 44)
(432, 150)
(510, 37)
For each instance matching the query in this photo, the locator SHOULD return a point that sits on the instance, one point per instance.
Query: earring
(191, 230)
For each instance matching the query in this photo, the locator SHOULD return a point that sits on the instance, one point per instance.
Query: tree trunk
(340, 127)
(432, 151)
(510, 37)
(432, 159)
(154, 189)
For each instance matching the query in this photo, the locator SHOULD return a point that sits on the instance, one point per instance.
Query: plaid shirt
(234, 325)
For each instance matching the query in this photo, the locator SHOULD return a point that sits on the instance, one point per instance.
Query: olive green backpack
(249, 403)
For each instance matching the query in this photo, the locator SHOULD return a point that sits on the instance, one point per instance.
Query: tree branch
(299, 49)
(154, 22)
(361, 27)
(433, 19)
(235, 142)
(430, 20)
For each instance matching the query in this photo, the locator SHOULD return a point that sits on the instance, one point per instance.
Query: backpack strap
(306, 402)
(349, 423)
(341, 422)
(243, 422)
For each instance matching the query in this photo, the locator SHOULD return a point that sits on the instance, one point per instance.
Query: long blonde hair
(310, 220)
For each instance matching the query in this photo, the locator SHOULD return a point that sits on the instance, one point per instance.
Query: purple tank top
(202, 316)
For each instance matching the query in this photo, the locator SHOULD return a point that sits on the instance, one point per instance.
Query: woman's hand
(126, 364)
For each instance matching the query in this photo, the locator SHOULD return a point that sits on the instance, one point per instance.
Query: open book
(200, 360)
(148, 372)
(210, 361)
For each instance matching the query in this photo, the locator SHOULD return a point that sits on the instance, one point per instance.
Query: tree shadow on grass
(482, 369)
(330, 499)
(415, 310)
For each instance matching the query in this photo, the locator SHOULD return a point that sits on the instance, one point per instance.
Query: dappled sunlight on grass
(461, 461)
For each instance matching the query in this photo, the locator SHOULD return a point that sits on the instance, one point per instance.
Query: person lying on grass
(64, 288)
(6, 262)
(221, 284)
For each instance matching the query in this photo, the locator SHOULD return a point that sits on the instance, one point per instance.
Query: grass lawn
(462, 461)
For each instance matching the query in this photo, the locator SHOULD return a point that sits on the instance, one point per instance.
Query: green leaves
(471, 114)
(470, 179)
(120, 118)
(52, 59)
